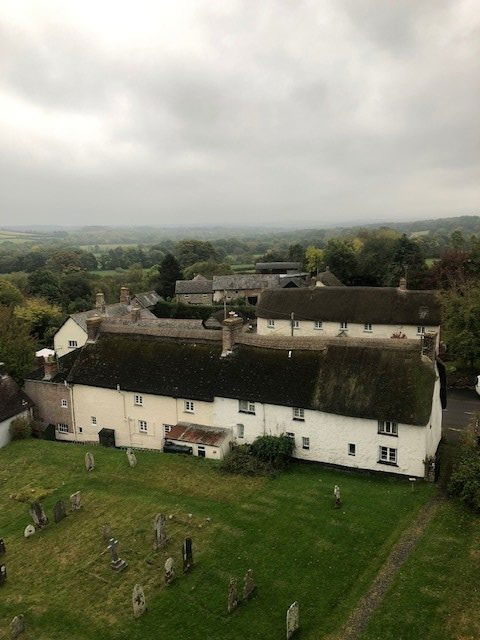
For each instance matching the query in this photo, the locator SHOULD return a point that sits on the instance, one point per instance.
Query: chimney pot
(124, 295)
(50, 367)
(93, 327)
(231, 327)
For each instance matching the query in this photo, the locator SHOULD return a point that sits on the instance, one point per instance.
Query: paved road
(461, 405)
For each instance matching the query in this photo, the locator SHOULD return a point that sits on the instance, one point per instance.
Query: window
(387, 427)
(318, 324)
(64, 404)
(245, 406)
(387, 455)
(94, 420)
(298, 413)
(62, 427)
(367, 327)
(344, 326)
(143, 426)
(305, 443)
(420, 331)
(138, 400)
(80, 429)
(296, 324)
(189, 406)
(351, 449)
(291, 435)
(201, 451)
(271, 324)
(72, 344)
(167, 428)
(240, 430)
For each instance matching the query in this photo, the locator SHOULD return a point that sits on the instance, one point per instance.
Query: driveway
(462, 404)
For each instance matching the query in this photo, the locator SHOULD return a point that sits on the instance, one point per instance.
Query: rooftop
(116, 310)
(12, 399)
(199, 284)
(245, 281)
(197, 434)
(287, 266)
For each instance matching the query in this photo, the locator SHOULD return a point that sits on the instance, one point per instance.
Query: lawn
(436, 596)
(285, 528)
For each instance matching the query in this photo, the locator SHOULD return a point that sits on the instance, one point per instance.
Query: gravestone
(336, 495)
(293, 619)
(232, 602)
(89, 461)
(76, 501)
(3, 548)
(3, 574)
(169, 571)
(187, 554)
(17, 626)
(59, 511)
(29, 531)
(248, 585)
(106, 532)
(138, 601)
(160, 532)
(132, 458)
(116, 563)
(39, 518)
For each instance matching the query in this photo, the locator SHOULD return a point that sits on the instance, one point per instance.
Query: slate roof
(350, 380)
(116, 310)
(329, 279)
(198, 434)
(147, 299)
(245, 281)
(199, 284)
(378, 305)
(287, 266)
(12, 399)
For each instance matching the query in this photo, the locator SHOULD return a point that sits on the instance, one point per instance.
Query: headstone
(293, 617)
(89, 461)
(138, 601)
(169, 571)
(3, 574)
(248, 585)
(336, 495)
(17, 626)
(232, 601)
(3, 548)
(76, 501)
(116, 563)
(29, 531)
(106, 532)
(160, 532)
(132, 458)
(187, 554)
(59, 511)
(39, 518)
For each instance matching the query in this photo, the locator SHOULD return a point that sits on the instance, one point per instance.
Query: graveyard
(288, 530)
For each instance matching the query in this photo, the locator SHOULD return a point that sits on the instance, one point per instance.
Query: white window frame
(420, 330)
(93, 419)
(367, 327)
(240, 430)
(64, 403)
(246, 406)
(138, 400)
(296, 324)
(167, 428)
(62, 427)
(387, 455)
(298, 413)
(305, 443)
(271, 324)
(72, 344)
(188, 406)
(143, 426)
(352, 449)
(318, 325)
(344, 326)
(291, 435)
(388, 428)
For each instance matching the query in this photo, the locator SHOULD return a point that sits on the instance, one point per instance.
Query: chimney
(135, 314)
(100, 303)
(124, 295)
(402, 285)
(231, 327)
(50, 367)
(93, 327)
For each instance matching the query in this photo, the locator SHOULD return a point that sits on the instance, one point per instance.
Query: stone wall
(48, 397)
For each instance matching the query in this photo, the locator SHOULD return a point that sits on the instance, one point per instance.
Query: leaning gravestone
(116, 563)
(3, 548)
(169, 571)
(248, 585)
(160, 532)
(3, 574)
(29, 531)
(132, 458)
(59, 511)
(138, 601)
(89, 461)
(17, 626)
(76, 501)
(39, 518)
(293, 618)
(232, 601)
(187, 554)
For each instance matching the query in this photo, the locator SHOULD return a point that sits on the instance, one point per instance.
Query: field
(18, 237)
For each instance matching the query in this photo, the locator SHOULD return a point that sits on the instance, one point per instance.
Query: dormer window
(245, 406)
(318, 324)
(388, 427)
(367, 327)
(72, 344)
(189, 406)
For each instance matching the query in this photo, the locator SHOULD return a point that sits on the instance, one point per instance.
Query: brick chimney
(50, 367)
(135, 314)
(124, 295)
(100, 303)
(402, 285)
(231, 328)
(93, 327)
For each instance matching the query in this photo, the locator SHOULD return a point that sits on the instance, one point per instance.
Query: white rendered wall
(70, 330)
(5, 427)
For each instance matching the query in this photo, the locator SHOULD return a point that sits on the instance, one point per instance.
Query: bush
(20, 428)
(240, 460)
(465, 478)
(273, 450)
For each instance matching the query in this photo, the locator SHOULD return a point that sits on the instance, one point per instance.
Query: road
(462, 404)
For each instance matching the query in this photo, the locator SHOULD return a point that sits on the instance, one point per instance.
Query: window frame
(62, 427)
(138, 400)
(296, 324)
(306, 443)
(318, 325)
(93, 420)
(271, 323)
(250, 407)
(142, 426)
(421, 330)
(72, 344)
(367, 327)
(290, 434)
(188, 406)
(167, 428)
(64, 403)
(352, 449)
(241, 431)
(391, 455)
(391, 430)
(298, 413)
(344, 325)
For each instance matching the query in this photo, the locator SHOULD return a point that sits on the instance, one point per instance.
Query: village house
(355, 403)
(195, 291)
(73, 333)
(243, 286)
(353, 312)
(14, 403)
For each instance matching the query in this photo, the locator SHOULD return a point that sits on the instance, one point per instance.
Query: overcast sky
(231, 111)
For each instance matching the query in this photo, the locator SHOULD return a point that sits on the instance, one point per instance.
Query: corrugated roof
(197, 434)
(240, 281)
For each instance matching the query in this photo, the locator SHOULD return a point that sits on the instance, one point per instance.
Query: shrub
(240, 460)
(20, 428)
(273, 450)
(465, 478)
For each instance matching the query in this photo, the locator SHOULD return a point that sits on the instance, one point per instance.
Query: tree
(42, 318)
(207, 269)
(313, 259)
(408, 259)
(9, 294)
(461, 324)
(45, 284)
(191, 251)
(169, 273)
(76, 285)
(341, 258)
(296, 253)
(17, 346)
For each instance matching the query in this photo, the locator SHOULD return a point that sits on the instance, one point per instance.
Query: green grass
(243, 268)
(284, 528)
(436, 595)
